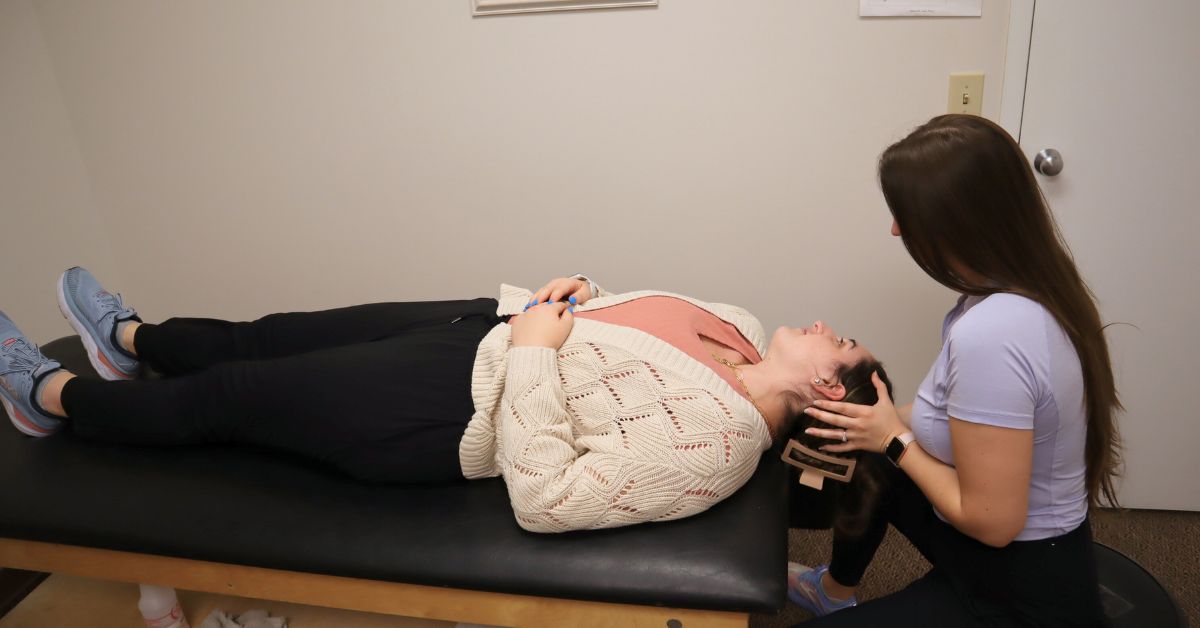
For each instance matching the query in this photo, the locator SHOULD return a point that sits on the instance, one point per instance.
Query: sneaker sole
(22, 422)
(104, 368)
(800, 600)
(795, 596)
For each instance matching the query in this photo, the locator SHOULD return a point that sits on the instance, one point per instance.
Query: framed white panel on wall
(499, 7)
(920, 8)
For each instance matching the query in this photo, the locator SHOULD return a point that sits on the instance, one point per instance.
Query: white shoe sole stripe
(21, 422)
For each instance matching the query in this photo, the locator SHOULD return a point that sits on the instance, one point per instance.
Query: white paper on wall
(877, 8)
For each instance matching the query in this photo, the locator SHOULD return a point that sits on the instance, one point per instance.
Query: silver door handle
(1048, 162)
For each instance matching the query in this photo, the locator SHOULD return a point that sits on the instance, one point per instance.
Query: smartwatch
(898, 445)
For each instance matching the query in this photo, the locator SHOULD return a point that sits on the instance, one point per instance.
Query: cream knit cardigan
(616, 427)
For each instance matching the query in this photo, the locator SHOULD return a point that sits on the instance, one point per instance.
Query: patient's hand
(545, 325)
(562, 289)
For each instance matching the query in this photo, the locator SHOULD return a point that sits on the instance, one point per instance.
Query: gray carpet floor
(1167, 544)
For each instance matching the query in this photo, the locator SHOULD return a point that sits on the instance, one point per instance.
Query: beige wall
(48, 219)
(256, 156)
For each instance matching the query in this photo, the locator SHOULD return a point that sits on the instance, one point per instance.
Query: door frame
(1016, 65)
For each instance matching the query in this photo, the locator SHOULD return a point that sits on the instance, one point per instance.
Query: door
(1114, 86)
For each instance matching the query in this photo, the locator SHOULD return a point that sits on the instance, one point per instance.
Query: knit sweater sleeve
(596, 289)
(557, 485)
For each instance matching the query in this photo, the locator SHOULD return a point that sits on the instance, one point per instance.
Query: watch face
(894, 450)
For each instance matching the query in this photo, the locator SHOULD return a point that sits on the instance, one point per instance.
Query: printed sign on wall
(918, 8)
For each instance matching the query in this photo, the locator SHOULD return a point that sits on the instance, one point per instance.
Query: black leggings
(382, 391)
(1050, 582)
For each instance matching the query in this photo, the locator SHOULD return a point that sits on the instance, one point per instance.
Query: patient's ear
(832, 392)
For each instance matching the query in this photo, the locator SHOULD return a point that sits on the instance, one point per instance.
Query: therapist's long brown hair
(965, 198)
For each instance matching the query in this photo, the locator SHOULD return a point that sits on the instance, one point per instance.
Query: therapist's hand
(562, 289)
(867, 428)
(545, 325)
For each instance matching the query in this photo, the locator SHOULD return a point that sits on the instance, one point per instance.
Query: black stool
(1131, 596)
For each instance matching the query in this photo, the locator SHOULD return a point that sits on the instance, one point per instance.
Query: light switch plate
(966, 93)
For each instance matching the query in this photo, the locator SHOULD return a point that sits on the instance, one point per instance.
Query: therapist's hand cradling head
(857, 426)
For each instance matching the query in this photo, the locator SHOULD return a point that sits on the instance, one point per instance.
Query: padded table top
(257, 508)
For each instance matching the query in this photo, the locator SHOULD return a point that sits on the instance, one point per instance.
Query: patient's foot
(804, 588)
(22, 369)
(102, 322)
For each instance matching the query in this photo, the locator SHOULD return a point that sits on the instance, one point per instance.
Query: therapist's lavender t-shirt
(1006, 362)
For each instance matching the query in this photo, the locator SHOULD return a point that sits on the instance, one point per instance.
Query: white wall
(257, 156)
(48, 219)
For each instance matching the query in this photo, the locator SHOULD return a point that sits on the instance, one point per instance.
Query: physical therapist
(1012, 435)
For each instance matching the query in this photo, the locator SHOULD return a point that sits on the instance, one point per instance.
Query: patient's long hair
(855, 501)
(964, 196)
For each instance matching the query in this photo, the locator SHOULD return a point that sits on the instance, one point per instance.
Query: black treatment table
(249, 523)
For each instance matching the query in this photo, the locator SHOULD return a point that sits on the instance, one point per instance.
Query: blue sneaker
(94, 313)
(22, 366)
(804, 588)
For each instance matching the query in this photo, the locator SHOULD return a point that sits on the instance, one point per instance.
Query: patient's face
(814, 351)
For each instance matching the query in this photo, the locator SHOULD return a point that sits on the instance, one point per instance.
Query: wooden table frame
(373, 596)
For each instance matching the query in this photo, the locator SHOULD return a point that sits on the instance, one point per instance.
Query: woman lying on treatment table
(598, 412)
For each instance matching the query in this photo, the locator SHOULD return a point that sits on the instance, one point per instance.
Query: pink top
(681, 325)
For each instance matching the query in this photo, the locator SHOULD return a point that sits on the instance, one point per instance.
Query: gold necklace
(738, 373)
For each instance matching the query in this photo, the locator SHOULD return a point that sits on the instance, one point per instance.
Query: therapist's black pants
(1050, 582)
(381, 391)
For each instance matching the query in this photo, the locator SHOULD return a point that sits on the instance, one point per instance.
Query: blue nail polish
(573, 300)
(571, 310)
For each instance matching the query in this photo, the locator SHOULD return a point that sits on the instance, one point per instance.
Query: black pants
(381, 391)
(1050, 582)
